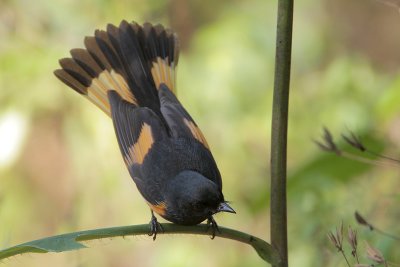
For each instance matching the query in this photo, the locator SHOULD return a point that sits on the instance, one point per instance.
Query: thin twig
(344, 256)
(73, 241)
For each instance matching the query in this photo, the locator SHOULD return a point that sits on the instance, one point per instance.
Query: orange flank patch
(196, 132)
(162, 72)
(138, 152)
(159, 208)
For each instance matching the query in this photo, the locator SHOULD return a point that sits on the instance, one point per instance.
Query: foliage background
(61, 171)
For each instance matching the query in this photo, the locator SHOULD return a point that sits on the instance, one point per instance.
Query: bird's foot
(211, 223)
(155, 227)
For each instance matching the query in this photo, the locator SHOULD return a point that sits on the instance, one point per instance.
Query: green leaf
(58, 243)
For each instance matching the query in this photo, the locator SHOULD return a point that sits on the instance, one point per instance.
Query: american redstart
(129, 73)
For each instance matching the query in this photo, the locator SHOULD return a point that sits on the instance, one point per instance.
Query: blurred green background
(61, 169)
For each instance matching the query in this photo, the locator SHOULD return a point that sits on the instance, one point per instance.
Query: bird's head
(192, 198)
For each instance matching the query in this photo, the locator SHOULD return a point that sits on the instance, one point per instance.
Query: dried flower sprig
(352, 239)
(372, 253)
(355, 142)
(337, 241)
(362, 221)
(375, 255)
(328, 144)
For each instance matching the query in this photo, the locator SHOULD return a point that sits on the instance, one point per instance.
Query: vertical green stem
(279, 130)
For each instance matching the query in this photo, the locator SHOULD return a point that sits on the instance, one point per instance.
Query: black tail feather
(130, 59)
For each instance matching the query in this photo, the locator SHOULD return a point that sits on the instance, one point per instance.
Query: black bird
(129, 73)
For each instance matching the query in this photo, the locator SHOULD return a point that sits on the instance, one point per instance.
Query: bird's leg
(155, 226)
(211, 223)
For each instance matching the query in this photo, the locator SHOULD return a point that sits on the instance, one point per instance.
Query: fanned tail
(131, 59)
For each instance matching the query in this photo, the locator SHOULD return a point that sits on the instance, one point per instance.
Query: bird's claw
(155, 227)
(211, 223)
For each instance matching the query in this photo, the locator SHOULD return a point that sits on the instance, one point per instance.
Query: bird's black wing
(178, 119)
(183, 129)
(138, 129)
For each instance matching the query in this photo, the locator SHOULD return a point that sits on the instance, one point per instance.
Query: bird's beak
(225, 208)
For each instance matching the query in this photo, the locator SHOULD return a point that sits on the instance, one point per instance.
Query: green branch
(71, 241)
(279, 130)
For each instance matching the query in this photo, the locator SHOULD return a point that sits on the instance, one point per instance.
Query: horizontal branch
(71, 241)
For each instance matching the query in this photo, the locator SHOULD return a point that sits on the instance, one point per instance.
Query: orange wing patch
(159, 208)
(163, 72)
(196, 132)
(138, 151)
